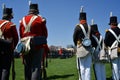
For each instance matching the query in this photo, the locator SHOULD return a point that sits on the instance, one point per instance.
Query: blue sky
(62, 15)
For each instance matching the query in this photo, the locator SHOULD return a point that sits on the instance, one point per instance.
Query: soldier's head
(94, 29)
(33, 9)
(7, 13)
(82, 16)
(113, 21)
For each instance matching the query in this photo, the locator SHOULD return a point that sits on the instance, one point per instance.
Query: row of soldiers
(33, 38)
(33, 43)
(93, 48)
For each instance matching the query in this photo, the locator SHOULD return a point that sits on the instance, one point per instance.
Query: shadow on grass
(59, 76)
(109, 78)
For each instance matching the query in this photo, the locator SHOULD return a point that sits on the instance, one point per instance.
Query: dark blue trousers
(32, 65)
(5, 64)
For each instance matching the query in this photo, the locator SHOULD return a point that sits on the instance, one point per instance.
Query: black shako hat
(82, 16)
(7, 11)
(94, 28)
(34, 7)
(113, 19)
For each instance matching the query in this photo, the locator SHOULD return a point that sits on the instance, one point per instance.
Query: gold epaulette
(77, 24)
(106, 30)
(78, 42)
(118, 49)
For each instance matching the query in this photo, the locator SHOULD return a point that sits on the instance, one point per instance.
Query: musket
(29, 2)
(94, 71)
(79, 70)
(13, 68)
(3, 6)
(93, 58)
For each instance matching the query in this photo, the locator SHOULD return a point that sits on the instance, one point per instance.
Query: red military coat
(37, 28)
(10, 32)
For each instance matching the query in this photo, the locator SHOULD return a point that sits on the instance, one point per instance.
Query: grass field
(58, 69)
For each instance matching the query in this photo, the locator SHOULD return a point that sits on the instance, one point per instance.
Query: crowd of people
(92, 48)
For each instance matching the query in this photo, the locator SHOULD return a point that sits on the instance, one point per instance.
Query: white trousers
(100, 72)
(119, 66)
(115, 71)
(84, 67)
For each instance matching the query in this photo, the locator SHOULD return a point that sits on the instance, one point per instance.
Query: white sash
(99, 53)
(3, 23)
(86, 34)
(112, 51)
(1, 33)
(26, 44)
(26, 40)
(82, 51)
(27, 26)
(98, 41)
(117, 39)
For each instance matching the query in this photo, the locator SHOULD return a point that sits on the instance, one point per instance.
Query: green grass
(62, 69)
(19, 70)
(58, 69)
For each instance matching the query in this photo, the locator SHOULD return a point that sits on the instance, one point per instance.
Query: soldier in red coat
(33, 26)
(8, 32)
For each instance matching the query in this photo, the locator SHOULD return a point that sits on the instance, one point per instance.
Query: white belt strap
(115, 43)
(89, 29)
(117, 37)
(113, 46)
(3, 23)
(27, 26)
(26, 42)
(1, 33)
(98, 41)
(86, 34)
